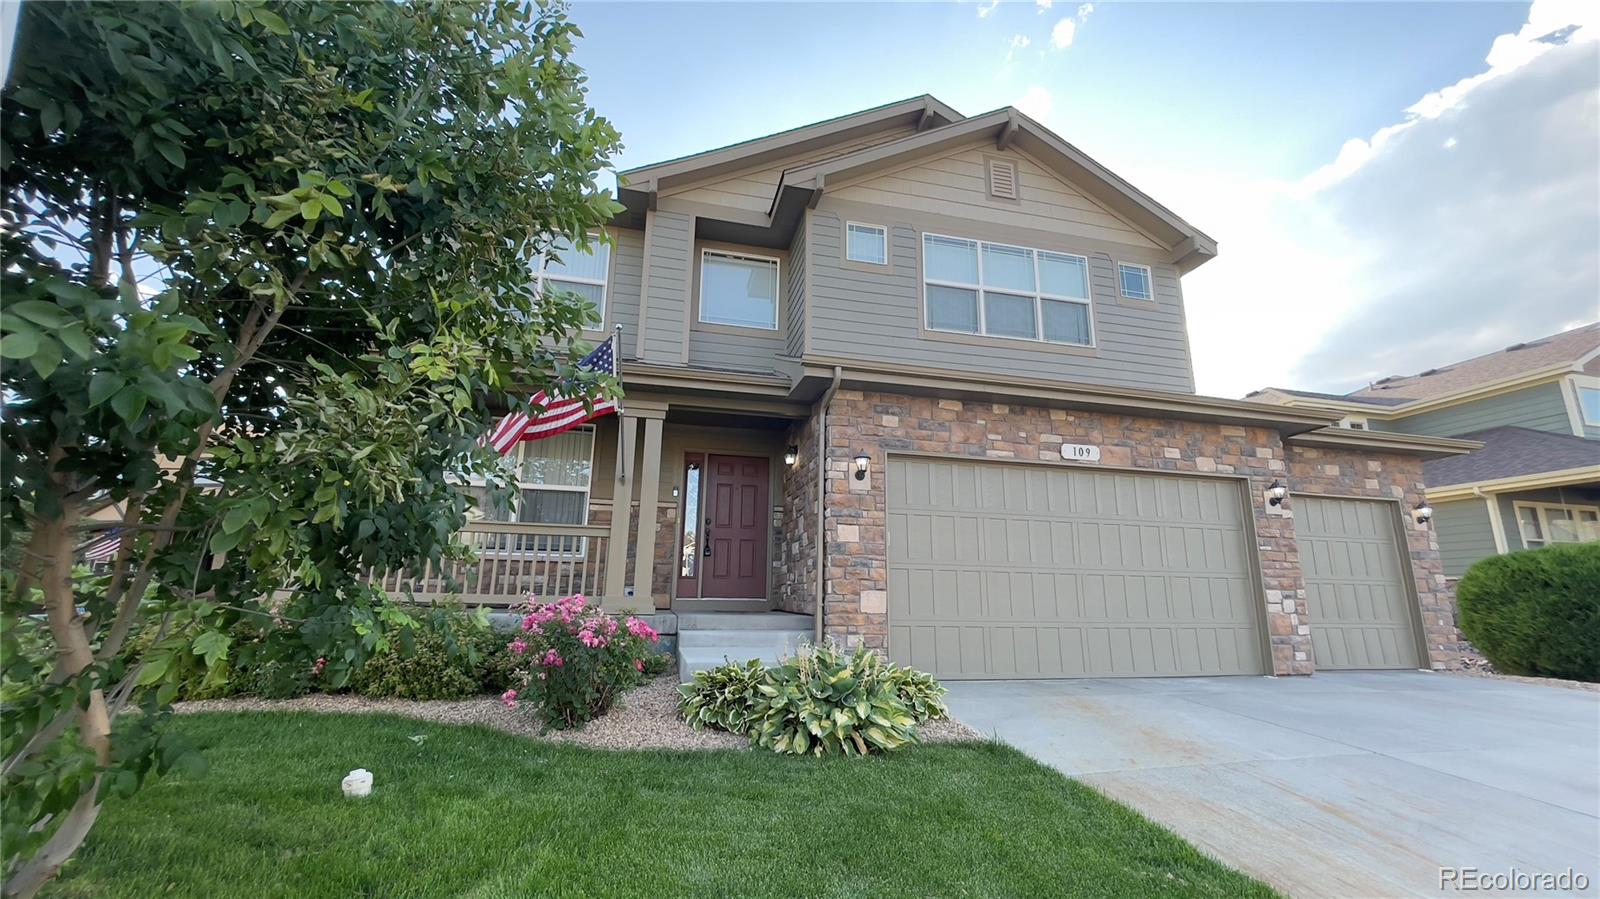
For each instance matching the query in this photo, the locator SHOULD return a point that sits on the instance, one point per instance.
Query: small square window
(1135, 281)
(866, 243)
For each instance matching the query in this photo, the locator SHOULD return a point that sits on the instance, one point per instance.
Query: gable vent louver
(1002, 179)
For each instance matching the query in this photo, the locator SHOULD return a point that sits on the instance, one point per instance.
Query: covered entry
(1359, 607)
(1001, 570)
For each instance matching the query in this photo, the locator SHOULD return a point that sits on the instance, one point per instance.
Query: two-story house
(1535, 407)
(925, 379)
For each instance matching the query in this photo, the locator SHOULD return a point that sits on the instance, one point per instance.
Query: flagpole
(616, 366)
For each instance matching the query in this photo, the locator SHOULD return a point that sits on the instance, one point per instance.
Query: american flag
(103, 547)
(559, 414)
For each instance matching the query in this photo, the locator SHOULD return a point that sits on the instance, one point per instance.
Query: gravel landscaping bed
(1541, 681)
(644, 718)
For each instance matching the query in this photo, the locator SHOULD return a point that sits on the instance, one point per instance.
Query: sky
(1393, 186)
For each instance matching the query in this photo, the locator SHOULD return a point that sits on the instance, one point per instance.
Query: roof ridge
(871, 109)
(1519, 345)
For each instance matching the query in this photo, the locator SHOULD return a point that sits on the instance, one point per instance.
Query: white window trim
(541, 275)
(878, 228)
(521, 485)
(1539, 510)
(1149, 278)
(1578, 387)
(1354, 422)
(1038, 294)
(777, 291)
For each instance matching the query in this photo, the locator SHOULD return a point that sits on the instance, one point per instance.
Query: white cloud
(1019, 41)
(1062, 34)
(1084, 9)
(1044, 5)
(1470, 223)
(1036, 102)
(984, 8)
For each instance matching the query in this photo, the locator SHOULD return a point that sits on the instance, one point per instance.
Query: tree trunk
(54, 544)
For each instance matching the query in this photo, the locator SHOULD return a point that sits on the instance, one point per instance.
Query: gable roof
(1011, 128)
(937, 127)
(1528, 358)
(1512, 452)
(921, 111)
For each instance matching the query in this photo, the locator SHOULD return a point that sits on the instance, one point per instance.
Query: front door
(737, 514)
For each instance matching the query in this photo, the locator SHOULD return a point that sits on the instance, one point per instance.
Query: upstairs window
(582, 272)
(998, 290)
(1589, 402)
(866, 243)
(739, 290)
(1135, 281)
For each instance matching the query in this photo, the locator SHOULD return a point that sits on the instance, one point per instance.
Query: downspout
(822, 486)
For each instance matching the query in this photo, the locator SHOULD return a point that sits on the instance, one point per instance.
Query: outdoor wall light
(1423, 512)
(861, 466)
(1276, 493)
(791, 455)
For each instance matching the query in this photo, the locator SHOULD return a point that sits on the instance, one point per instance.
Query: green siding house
(1535, 407)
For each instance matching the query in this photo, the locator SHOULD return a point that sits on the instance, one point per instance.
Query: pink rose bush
(580, 659)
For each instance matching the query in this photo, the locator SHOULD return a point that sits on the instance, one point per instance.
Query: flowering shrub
(579, 659)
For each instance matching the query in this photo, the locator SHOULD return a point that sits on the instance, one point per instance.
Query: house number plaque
(1080, 452)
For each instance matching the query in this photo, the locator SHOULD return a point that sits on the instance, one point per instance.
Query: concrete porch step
(704, 659)
(721, 605)
(743, 621)
(709, 639)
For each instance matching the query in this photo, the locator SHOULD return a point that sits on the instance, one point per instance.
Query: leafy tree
(265, 269)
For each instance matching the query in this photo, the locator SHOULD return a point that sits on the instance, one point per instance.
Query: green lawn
(474, 812)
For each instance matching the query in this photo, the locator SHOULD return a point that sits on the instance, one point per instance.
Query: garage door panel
(1356, 601)
(1060, 572)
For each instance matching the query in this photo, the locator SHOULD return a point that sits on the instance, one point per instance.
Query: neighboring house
(927, 379)
(1535, 407)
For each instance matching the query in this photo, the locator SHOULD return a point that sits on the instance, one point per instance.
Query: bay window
(999, 290)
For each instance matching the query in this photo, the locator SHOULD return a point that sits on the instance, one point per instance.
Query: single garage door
(999, 571)
(1356, 598)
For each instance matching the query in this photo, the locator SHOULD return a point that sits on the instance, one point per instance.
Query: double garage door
(1022, 571)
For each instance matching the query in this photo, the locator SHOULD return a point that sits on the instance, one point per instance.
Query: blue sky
(1257, 122)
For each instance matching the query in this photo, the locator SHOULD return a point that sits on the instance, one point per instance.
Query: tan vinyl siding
(877, 315)
(668, 256)
(1466, 534)
(1541, 407)
(796, 313)
(958, 186)
(752, 190)
(622, 294)
(752, 351)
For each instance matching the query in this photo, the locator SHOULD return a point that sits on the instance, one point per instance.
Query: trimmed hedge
(1536, 612)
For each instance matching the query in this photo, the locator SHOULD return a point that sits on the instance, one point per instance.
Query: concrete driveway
(1341, 784)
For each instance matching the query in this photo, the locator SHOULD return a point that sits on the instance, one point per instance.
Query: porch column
(646, 473)
(644, 556)
(621, 491)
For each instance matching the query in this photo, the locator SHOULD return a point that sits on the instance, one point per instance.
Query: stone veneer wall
(666, 545)
(794, 586)
(877, 424)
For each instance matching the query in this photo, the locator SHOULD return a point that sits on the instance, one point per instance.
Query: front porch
(723, 495)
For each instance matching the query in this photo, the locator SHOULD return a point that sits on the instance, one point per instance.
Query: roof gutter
(822, 486)
(1565, 477)
(1391, 441)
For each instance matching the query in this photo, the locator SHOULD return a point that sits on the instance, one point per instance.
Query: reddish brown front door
(736, 518)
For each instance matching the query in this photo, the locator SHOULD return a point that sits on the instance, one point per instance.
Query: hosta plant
(579, 659)
(723, 696)
(824, 701)
(920, 691)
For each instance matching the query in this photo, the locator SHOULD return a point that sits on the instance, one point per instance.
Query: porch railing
(513, 560)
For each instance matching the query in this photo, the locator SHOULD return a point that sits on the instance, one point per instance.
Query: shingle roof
(1514, 360)
(1510, 453)
(1339, 397)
